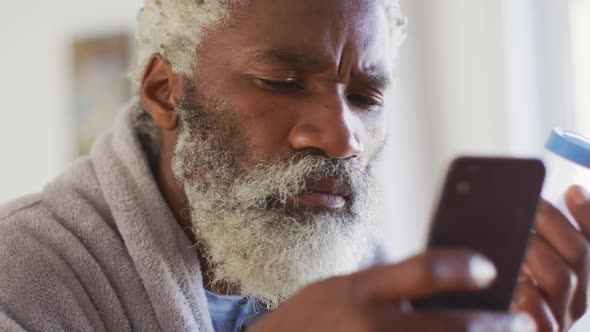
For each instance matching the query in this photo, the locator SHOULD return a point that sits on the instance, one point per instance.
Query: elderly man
(235, 193)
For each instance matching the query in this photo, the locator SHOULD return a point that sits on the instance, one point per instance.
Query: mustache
(319, 166)
(290, 176)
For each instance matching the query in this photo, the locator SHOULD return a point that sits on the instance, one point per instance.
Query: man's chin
(272, 258)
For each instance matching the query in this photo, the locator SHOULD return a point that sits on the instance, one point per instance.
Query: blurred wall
(36, 135)
(476, 77)
(581, 46)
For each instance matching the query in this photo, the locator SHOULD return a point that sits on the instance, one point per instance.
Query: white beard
(247, 236)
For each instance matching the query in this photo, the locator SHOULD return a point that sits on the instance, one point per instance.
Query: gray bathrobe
(99, 250)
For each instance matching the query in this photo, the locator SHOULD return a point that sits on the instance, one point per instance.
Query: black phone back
(488, 205)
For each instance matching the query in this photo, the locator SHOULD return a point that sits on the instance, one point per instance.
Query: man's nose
(330, 127)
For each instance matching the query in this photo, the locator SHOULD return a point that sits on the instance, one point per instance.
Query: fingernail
(482, 271)
(581, 196)
(523, 323)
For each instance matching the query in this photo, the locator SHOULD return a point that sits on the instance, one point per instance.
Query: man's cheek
(374, 142)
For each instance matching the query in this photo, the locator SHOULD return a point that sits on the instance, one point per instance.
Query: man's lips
(328, 194)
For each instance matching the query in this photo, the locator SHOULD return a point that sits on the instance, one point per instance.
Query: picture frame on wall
(100, 85)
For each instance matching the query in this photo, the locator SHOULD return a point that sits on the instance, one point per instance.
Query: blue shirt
(232, 313)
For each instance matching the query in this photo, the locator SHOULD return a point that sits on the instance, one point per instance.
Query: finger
(525, 274)
(577, 200)
(572, 246)
(554, 227)
(527, 298)
(456, 321)
(552, 275)
(433, 272)
(578, 205)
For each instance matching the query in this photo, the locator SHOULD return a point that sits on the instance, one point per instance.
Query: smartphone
(488, 205)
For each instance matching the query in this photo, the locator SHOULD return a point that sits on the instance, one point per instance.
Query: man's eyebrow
(376, 78)
(286, 57)
(283, 56)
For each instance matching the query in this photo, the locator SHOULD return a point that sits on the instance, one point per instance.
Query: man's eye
(364, 101)
(284, 85)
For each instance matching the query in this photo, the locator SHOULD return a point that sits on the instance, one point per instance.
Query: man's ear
(161, 89)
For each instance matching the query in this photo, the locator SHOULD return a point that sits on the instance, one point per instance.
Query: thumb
(434, 272)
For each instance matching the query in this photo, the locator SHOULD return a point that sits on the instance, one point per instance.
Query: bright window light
(580, 20)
